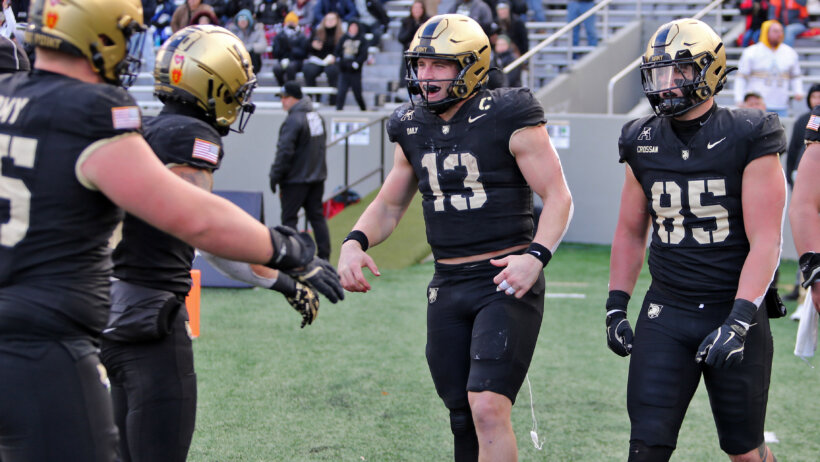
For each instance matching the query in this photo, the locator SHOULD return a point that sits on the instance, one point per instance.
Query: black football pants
(308, 196)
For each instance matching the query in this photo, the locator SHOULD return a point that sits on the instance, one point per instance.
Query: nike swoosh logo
(473, 119)
(711, 145)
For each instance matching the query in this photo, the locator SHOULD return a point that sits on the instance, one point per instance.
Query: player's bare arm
(377, 223)
(200, 177)
(130, 174)
(804, 207)
(764, 199)
(629, 242)
(541, 167)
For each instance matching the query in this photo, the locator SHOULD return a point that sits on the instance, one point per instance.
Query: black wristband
(359, 237)
(810, 267)
(540, 252)
(618, 300)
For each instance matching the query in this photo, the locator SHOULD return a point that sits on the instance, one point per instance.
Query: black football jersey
(147, 256)
(813, 126)
(474, 197)
(693, 191)
(55, 263)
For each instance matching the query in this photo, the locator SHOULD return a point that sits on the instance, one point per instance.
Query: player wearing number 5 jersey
(475, 156)
(707, 185)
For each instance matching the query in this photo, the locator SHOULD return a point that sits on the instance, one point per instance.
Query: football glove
(320, 276)
(305, 302)
(291, 249)
(618, 331)
(724, 346)
(810, 266)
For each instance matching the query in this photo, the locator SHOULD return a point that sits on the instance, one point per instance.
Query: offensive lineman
(146, 348)
(71, 154)
(805, 207)
(710, 182)
(476, 156)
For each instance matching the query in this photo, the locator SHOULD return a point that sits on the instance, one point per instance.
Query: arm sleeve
(237, 271)
(796, 144)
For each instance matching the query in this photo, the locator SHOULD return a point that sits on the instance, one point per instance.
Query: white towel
(806, 342)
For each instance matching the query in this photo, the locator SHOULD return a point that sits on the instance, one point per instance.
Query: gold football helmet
(109, 33)
(684, 55)
(209, 67)
(453, 37)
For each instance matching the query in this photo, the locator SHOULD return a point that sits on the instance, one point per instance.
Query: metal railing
(555, 36)
(346, 139)
(610, 90)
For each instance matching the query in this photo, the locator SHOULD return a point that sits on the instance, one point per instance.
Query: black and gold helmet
(209, 67)
(684, 54)
(109, 33)
(451, 37)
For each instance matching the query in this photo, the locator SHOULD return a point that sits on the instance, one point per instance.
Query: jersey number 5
(458, 201)
(13, 190)
(666, 202)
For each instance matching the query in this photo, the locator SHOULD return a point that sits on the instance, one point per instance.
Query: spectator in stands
(756, 12)
(290, 48)
(226, 10)
(793, 15)
(320, 58)
(20, 7)
(511, 25)
(9, 23)
(576, 8)
(409, 25)
(495, 77)
(537, 8)
(185, 13)
(771, 69)
(373, 20)
(205, 17)
(351, 54)
(161, 20)
(476, 9)
(304, 10)
(346, 9)
(272, 12)
(797, 146)
(506, 52)
(252, 35)
(753, 100)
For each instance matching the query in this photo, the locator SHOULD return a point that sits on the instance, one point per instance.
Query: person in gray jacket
(252, 35)
(300, 168)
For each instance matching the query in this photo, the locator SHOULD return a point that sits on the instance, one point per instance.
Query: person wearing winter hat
(290, 48)
(252, 35)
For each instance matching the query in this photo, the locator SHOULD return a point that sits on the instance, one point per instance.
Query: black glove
(320, 276)
(724, 346)
(291, 249)
(810, 266)
(618, 331)
(305, 302)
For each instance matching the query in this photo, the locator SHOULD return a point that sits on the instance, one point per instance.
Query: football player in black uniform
(805, 206)
(72, 153)
(709, 181)
(146, 347)
(476, 156)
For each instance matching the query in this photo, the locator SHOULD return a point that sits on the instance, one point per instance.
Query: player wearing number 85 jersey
(709, 182)
(476, 156)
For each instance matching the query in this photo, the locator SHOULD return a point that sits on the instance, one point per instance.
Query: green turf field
(355, 387)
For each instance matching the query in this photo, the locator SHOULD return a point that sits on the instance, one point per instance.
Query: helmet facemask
(246, 107)
(128, 69)
(676, 86)
(456, 88)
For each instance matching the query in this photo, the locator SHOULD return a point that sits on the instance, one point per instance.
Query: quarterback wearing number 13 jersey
(465, 165)
(693, 189)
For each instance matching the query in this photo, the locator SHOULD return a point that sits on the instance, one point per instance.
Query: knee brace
(465, 441)
(640, 452)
